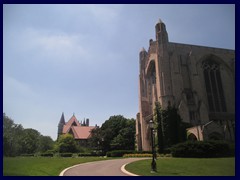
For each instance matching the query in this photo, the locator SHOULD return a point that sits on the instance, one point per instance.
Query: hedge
(65, 154)
(84, 154)
(201, 149)
(137, 155)
(119, 153)
(27, 155)
(46, 154)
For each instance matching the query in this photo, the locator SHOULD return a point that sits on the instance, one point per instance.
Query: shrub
(46, 154)
(137, 155)
(65, 154)
(27, 155)
(146, 155)
(201, 149)
(232, 149)
(119, 153)
(84, 154)
(144, 152)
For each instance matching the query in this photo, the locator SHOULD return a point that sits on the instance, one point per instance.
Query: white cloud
(46, 45)
(61, 47)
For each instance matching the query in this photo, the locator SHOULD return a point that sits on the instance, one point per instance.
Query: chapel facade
(81, 131)
(199, 81)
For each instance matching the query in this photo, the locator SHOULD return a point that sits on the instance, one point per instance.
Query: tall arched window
(214, 88)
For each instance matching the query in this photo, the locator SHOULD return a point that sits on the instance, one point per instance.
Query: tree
(17, 140)
(96, 139)
(110, 129)
(30, 141)
(125, 140)
(117, 132)
(45, 143)
(170, 129)
(66, 143)
(160, 130)
(11, 137)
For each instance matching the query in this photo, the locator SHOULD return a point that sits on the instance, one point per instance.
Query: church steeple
(61, 124)
(62, 120)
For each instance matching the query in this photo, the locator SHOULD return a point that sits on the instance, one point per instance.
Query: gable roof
(75, 128)
(72, 120)
(82, 132)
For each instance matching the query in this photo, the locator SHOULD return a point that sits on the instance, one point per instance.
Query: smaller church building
(81, 131)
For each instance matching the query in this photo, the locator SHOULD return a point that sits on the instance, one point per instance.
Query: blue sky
(83, 59)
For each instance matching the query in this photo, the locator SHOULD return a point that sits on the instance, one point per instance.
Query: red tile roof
(79, 132)
(66, 129)
(82, 132)
(72, 120)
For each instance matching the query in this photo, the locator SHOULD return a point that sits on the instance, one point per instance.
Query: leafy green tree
(66, 143)
(96, 140)
(30, 141)
(170, 129)
(160, 126)
(125, 140)
(45, 143)
(17, 140)
(12, 134)
(117, 132)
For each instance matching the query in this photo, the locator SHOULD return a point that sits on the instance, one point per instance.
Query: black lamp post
(98, 148)
(153, 165)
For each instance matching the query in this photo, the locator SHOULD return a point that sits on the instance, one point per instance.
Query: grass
(45, 166)
(185, 167)
(41, 166)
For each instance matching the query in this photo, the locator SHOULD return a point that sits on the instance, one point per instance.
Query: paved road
(100, 168)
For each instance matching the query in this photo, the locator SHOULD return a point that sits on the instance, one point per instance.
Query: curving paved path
(100, 168)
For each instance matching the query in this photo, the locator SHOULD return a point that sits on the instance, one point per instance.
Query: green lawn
(41, 166)
(185, 167)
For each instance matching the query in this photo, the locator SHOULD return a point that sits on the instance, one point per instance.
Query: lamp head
(151, 124)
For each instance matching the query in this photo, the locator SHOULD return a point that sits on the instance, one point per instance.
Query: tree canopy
(17, 140)
(117, 132)
(170, 128)
(66, 144)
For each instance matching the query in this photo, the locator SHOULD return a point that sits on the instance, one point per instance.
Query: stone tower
(162, 66)
(191, 78)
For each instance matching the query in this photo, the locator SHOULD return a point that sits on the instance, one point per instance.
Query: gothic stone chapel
(199, 81)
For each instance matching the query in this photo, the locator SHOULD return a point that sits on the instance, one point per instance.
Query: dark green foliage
(17, 140)
(65, 154)
(160, 133)
(116, 133)
(91, 154)
(65, 144)
(46, 154)
(45, 143)
(12, 137)
(119, 153)
(84, 154)
(143, 152)
(27, 155)
(232, 148)
(201, 149)
(30, 141)
(170, 129)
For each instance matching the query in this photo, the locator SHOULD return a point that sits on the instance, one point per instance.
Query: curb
(127, 172)
(63, 171)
